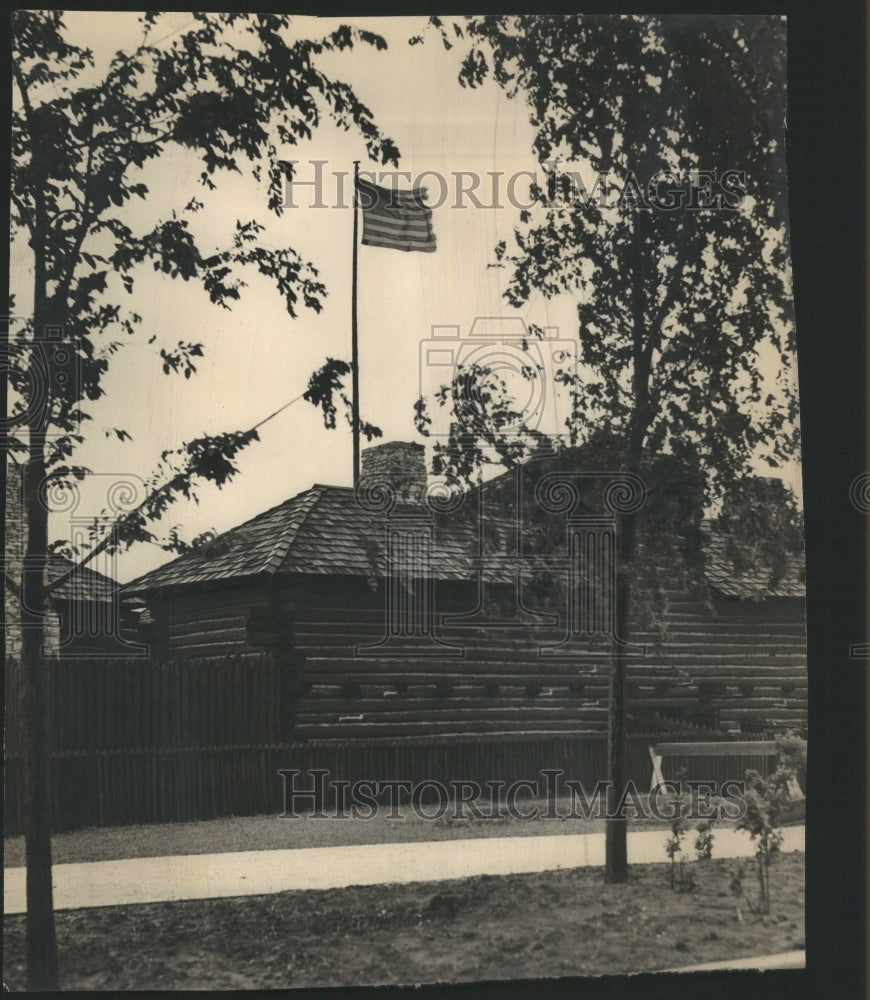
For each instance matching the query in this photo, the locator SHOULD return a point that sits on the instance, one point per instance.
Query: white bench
(726, 748)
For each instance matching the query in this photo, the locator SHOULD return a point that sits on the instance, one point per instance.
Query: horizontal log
(734, 624)
(449, 703)
(723, 749)
(781, 713)
(320, 615)
(318, 618)
(473, 693)
(205, 617)
(317, 609)
(521, 651)
(350, 730)
(697, 635)
(403, 705)
(760, 707)
(221, 632)
(764, 689)
(332, 658)
(210, 649)
(384, 679)
(736, 656)
(448, 719)
(688, 666)
(475, 684)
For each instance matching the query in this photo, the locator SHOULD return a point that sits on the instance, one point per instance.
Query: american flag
(396, 220)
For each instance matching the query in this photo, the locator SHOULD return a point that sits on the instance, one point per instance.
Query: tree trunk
(41, 944)
(616, 828)
(4, 456)
(42, 972)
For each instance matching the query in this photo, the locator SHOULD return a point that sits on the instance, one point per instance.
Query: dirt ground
(562, 923)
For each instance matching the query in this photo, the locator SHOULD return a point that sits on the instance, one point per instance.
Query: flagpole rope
(279, 410)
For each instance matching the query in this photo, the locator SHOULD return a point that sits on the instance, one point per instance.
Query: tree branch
(24, 211)
(73, 258)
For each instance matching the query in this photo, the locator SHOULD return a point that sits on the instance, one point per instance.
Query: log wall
(740, 667)
(734, 668)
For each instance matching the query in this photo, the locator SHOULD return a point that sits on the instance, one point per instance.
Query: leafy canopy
(684, 311)
(233, 89)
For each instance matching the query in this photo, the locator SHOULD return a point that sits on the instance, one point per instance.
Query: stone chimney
(402, 464)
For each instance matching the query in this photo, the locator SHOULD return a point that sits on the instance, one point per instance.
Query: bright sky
(256, 357)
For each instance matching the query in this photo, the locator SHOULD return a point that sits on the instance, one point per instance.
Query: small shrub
(704, 840)
(764, 799)
(768, 801)
(738, 874)
(674, 849)
(792, 755)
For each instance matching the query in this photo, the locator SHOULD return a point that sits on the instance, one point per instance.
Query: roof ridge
(184, 556)
(71, 566)
(269, 510)
(282, 546)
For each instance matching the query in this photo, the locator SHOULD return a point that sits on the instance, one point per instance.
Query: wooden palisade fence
(137, 741)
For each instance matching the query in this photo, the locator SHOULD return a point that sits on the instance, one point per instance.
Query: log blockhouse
(371, 615)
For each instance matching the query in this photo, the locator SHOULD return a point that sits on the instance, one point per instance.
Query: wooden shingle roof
(323, 531)
(83, 584)
(755, 582)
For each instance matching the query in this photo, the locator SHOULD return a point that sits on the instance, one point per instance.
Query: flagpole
(354, 363)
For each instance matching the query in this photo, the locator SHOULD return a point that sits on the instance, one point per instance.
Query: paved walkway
(784, 960)
(252, 873)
